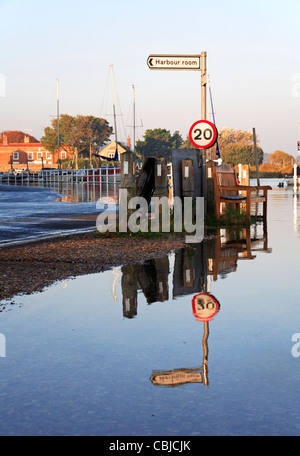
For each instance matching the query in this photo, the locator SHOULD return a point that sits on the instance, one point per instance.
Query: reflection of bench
(227, 191)
(229, 250)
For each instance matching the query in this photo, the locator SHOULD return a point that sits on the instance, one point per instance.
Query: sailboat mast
(58, 144)
(133, 118)
(114, 104)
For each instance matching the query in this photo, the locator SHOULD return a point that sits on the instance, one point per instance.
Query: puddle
(195, 343)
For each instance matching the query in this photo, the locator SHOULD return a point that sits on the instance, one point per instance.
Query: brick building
(26, 155)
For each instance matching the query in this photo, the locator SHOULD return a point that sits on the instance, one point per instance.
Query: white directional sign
(174, 62)
(203, 134)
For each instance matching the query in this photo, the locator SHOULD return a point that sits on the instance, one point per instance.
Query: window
(39, 156)
(48, 156)
(30, 156)
(16, 155)
(63, 155)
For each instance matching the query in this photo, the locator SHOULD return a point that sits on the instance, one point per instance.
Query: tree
(76, 134)
(187, 144)
(158, 142)
(236, 146)
(281, 158)
(16, 137)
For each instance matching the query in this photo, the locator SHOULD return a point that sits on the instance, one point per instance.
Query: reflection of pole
(295, 178)
(295, 213)
(205, 352)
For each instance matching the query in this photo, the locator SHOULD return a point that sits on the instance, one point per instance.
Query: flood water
(201, 342)
(28, 212)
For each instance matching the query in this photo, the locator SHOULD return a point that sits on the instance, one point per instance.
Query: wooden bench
(228, 191)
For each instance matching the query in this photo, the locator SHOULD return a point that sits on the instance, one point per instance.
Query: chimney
(128, 142)
(5, 140)
(26, 139)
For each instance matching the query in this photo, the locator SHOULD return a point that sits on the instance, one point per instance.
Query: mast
(58, 145)
(114, 106)
(133, 118)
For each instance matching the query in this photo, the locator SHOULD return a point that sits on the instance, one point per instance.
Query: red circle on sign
(210, 141)
(200, 313)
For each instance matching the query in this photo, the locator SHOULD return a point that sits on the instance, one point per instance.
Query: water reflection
(193, 270)
(71, 192)
(82, 192)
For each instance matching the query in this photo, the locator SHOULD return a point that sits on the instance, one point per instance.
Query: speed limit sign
(205, 306)
(203, 134)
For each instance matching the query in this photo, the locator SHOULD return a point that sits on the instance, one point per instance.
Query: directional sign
(203, 134)
(174, 62)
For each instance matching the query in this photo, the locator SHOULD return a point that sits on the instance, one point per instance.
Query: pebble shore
(32, 267)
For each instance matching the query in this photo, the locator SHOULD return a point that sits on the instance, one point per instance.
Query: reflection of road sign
(176, 377)
(205, 306)
(174, 62)
(203, 134)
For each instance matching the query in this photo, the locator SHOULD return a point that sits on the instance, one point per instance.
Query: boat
(289, 180)
(111, 170)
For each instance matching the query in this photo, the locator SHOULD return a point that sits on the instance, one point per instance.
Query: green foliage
(76, 133)
(187, 144)
(241, 153)
(158, 141)
(235, 218)
(236, 146)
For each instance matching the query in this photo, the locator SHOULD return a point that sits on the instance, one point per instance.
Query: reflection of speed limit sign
(205, 306)
(203, 134)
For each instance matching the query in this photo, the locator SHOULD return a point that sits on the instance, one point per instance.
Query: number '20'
(207, 134)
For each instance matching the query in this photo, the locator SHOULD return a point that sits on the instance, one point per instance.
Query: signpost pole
(203, 85)
(203, 117)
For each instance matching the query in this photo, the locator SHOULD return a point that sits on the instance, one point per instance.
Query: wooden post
(127, 182)
(187, 178)
(76, 158)
(91, 163)
(161, 178)
(127, 172)
(256, 158)
(244, 174)
(210, 189)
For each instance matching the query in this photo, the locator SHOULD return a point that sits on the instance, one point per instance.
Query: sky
(253, 63)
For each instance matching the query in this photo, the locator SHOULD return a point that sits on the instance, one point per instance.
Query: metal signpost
(186, 62)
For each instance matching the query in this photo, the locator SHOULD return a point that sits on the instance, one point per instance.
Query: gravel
(32, 267)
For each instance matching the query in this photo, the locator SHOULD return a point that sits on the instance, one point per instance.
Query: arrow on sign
(174, 62)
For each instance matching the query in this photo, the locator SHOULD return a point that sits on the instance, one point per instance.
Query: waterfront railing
(105, 175)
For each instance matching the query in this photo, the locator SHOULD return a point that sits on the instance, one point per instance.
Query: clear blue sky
(253, 63)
